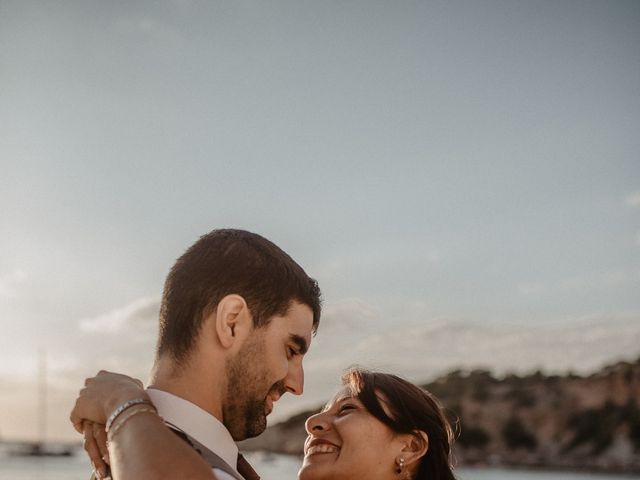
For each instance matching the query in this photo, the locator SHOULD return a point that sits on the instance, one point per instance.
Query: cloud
(378, 261)
(582, 283)
(423, 352)
(121, 340)
(142, 312)
(9, 283)
(145, 27)
(350, 334)
(633, 199)
(530, 289)
(350, 314)
(614, 278)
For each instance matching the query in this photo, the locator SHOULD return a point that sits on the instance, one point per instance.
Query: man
(236, 319)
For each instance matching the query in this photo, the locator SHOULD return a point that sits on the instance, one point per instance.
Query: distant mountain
(425, 351)
(587, 422)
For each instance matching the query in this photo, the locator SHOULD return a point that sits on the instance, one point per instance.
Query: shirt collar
(197, 423)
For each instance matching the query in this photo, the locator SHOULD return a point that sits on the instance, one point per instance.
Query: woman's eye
(291, 352)
(346, 408)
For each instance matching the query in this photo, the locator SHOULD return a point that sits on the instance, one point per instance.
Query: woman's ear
(228, 315)
(415, 447)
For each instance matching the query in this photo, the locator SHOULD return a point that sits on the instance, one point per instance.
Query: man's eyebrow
(300, 342)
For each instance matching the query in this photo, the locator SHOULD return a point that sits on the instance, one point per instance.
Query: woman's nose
(317, 423)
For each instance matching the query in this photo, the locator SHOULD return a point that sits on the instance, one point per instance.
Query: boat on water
(40, 447)
(37, 449)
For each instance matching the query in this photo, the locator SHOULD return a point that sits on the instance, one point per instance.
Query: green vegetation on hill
(535, 420)
(597, 426)
(541, 420)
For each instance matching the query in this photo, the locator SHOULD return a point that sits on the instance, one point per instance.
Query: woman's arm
(144, 448)
(141, 446)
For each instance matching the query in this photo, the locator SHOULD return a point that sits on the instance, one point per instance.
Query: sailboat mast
(42, 396)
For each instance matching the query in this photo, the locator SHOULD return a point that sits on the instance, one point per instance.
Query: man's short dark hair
(225, 262)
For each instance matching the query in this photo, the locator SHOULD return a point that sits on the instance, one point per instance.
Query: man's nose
(294, 382)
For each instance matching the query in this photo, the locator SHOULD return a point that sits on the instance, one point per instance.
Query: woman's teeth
(324, 448)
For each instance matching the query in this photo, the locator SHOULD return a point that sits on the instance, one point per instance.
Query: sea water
(270, 467)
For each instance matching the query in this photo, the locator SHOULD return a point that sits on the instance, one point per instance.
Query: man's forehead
(296, 326)
(299, 319)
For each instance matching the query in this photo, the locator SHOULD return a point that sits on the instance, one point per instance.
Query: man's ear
(416, 445)
(231, 311)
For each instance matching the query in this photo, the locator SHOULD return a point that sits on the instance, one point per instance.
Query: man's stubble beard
(244, 405)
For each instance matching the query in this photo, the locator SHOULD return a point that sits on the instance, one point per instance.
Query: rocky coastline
(589, 423)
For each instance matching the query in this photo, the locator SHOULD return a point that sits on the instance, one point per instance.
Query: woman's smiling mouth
(318, 446)
(324, 448)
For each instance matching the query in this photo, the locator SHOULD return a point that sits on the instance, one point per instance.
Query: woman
(378, 426)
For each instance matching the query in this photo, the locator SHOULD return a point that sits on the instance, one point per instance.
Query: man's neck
(191, 382)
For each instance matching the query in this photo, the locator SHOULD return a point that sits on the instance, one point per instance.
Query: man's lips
(320, 445)
(272, 398)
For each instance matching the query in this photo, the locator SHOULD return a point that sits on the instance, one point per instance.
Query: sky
(462, 178)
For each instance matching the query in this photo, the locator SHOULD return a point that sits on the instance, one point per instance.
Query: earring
(400, 467)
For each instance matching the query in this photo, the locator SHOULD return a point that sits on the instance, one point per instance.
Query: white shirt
(197, 423)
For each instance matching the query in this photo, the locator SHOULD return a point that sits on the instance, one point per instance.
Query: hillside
(575, 422)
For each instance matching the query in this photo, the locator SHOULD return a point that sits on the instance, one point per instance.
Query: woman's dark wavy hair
(410, 409)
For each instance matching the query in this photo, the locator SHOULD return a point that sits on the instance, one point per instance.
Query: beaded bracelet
(122, 407)
(124, 419)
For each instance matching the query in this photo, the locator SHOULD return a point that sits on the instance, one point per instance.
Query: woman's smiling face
(346, 442)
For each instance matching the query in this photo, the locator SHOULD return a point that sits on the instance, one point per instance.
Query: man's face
(268, 364)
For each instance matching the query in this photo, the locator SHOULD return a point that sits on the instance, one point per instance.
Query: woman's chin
(311, 470)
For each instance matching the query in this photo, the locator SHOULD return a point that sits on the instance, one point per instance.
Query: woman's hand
(100, 397)
(95, 444)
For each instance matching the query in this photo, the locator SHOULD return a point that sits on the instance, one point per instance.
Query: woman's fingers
(100, 396)
(91, 447)
(87, 407)
(75, 417)
(100, 435)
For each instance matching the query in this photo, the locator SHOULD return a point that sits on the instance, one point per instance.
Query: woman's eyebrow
(337, 401)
